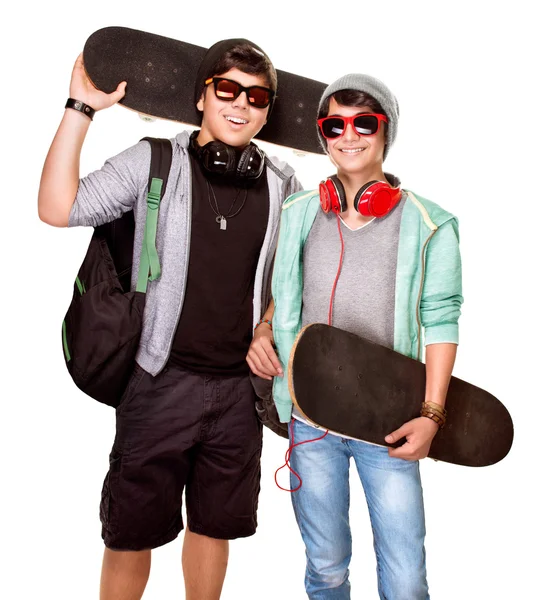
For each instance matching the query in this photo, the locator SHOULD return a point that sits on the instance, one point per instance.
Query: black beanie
(213, 55)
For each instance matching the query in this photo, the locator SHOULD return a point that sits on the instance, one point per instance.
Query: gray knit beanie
(375, 88)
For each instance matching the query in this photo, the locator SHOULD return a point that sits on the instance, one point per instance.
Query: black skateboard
(349, 385)
(161, 74)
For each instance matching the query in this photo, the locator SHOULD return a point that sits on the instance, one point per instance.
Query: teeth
(351, 150)
(237, 120)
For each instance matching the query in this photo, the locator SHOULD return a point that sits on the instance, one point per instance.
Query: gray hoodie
(121, 185)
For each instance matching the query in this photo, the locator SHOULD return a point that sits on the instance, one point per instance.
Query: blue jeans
(394, 495)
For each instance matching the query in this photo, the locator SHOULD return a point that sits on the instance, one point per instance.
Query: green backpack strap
(160, 164)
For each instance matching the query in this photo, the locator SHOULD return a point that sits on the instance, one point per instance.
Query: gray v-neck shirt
(364, 302)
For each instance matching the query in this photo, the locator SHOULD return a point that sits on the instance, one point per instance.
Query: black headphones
(221, 159)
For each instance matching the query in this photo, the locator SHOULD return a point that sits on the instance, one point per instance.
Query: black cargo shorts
(176, 432)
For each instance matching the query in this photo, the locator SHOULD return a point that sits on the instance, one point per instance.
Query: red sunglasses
(363, 124)
(229, 90)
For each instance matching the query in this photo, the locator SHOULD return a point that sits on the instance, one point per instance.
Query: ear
(201, 102)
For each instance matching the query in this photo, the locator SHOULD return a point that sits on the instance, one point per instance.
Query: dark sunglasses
(229, 90)
(363, 124)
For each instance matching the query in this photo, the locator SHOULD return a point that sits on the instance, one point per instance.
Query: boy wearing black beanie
(186, 423)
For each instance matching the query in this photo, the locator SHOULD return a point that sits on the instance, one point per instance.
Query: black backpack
(102, 328)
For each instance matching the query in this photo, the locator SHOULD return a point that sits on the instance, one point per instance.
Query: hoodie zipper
(418, 311)
(188, 239)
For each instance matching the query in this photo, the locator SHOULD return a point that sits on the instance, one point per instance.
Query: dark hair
(351, 98)
(247, 59)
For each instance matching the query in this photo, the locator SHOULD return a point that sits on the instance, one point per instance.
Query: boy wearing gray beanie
(397, 261)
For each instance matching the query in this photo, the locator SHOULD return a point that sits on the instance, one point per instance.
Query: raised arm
(60, 176)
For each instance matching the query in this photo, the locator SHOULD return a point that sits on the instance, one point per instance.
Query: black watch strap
(81, 107)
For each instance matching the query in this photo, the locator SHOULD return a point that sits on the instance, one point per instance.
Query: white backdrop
(467, 78)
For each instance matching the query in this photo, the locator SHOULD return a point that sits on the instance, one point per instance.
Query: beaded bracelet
(435, 412)
(269, 323)
(434, 417)
(436, 407)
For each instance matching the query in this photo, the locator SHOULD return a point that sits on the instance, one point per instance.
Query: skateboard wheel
(146, 118)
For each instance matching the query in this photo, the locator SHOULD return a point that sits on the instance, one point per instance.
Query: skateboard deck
(161, 74)
(349, 385)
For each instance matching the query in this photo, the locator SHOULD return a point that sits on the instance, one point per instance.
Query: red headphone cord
(288, 456)
(293, 445)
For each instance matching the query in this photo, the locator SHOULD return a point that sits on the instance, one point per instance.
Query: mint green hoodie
(428, 291)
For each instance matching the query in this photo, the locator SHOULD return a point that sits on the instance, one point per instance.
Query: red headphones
(374, 199)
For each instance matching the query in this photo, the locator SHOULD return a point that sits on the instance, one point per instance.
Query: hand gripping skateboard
(349, 385)
(161, 72)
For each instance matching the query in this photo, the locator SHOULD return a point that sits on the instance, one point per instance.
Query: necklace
(221, 219)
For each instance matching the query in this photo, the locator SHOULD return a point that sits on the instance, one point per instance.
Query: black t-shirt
(215, 327)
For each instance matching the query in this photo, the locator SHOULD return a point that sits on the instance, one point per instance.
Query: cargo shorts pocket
(129, 392)
(110, 495)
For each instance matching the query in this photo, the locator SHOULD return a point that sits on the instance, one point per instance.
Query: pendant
(222, 221)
